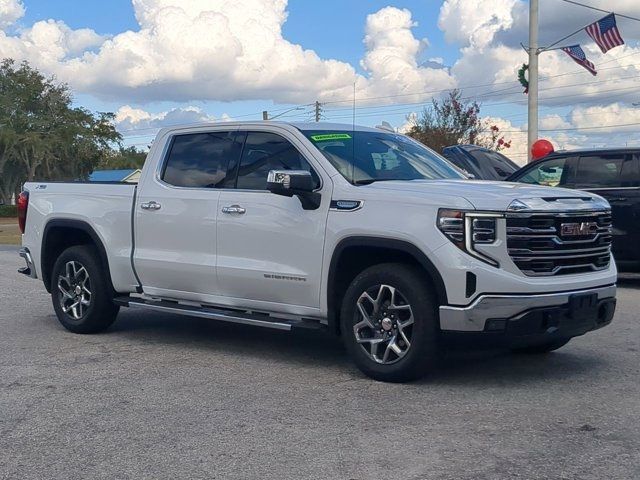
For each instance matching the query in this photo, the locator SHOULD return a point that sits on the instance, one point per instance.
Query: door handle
(150, 206)
(237, 209)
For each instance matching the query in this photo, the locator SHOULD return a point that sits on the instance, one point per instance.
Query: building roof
(111, 175)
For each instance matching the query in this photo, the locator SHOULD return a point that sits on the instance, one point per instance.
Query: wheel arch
(60, 234)
(370, 250)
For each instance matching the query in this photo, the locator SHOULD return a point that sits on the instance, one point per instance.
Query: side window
(264, 151)
(459, 162)
(200, 160)
(500, 165)
(630, 172)
(546, 173)
(599, 171)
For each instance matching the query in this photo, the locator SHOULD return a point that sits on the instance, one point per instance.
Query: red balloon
(541, 148)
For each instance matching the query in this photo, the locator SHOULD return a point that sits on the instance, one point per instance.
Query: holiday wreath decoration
(522, 77)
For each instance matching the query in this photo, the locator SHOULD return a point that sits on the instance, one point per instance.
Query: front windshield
(367, 157)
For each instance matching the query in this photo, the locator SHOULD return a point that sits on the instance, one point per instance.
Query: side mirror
(289, 182)
(294, 182)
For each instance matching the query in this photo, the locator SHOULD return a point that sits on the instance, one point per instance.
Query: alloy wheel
(383, 324)
(74, 286)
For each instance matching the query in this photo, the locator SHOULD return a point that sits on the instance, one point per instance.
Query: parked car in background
(480, 162)
(614, 174)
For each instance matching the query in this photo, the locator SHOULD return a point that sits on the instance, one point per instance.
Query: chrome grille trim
(537, 248)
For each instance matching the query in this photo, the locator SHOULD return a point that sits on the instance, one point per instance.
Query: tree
(42, 135)
(125, 158)
(452, 121)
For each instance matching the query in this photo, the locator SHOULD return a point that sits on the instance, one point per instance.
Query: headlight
(468, 229)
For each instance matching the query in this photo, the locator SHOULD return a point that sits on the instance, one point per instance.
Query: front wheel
(389, 323)
(81, 291)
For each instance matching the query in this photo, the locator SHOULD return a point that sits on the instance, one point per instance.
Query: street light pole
(533, 75)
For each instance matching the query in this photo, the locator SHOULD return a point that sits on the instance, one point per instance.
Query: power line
(491, 93)
(601, 10)
(573, 129)
(412, 110)
(487, 94)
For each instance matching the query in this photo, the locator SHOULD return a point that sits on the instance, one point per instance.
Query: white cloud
(134, 121)
(608, 117)
(475, 22)
(223, 50)
(391, 60)
(10, 12)
(409, 122)
(553, 121)
(489, 34)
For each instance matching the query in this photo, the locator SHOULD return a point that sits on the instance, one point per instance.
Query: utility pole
(318, 106)
(265, 115)
(533, 76)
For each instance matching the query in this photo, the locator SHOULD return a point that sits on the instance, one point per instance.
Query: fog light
(495, 325)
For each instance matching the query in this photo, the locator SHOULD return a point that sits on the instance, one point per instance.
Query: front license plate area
(582, 306)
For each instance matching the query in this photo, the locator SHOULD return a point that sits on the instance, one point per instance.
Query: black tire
(543, 347)
(100, 312)
(422, 354)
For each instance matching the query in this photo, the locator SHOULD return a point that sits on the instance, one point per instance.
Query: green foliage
(124, 158)
(8, 211)
(42, 135)
(455, 120)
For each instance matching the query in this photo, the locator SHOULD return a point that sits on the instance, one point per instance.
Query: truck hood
(493, 195)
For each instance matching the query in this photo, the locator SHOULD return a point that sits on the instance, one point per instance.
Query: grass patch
(9, 232)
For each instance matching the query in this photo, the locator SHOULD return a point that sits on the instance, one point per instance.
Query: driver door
(269, 249)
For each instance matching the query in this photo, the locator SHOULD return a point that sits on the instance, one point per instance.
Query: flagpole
(532, 133)
(550, 47)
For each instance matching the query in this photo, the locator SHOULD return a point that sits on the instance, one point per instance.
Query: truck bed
(105, 207)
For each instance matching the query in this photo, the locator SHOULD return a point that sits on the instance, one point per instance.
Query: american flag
(576, 52)
(605, 33)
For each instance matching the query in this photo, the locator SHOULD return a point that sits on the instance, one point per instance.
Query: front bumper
(533, 317)
(30, 269)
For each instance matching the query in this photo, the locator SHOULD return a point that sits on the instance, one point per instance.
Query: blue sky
(198, 60)
(332, 28)
(306, 25)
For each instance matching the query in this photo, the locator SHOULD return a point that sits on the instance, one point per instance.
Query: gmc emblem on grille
(578, 229)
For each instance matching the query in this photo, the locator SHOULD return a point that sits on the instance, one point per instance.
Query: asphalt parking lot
(160, 396)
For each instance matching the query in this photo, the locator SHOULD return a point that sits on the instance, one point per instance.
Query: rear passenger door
(176, 213)
(616, 177)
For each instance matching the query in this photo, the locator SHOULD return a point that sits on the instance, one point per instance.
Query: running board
(232, 316)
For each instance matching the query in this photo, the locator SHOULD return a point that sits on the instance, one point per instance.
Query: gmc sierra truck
(358, 230)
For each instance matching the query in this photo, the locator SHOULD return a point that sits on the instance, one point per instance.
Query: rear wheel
(390, 324)
(543, 347)
(81, 291)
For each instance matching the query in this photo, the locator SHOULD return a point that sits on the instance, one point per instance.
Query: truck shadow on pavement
(324, 351)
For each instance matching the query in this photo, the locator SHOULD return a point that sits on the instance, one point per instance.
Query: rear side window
(599, 171)
(501, 166)
(200, 160)
(264, 151)
(459, 161)
(549, 173)
(630, 173)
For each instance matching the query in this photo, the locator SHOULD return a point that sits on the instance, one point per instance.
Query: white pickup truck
(358, 230)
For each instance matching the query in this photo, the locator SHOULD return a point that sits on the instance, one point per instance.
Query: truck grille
(559, 243)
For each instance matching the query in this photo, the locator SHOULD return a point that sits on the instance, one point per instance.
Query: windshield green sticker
(330, 136)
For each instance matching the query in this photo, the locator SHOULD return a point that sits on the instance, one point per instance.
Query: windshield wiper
(369, 181)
